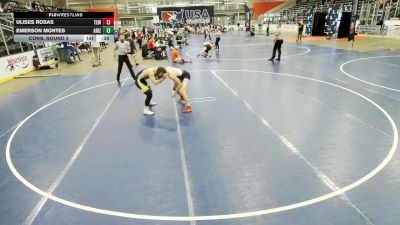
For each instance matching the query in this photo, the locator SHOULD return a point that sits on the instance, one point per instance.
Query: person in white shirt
(217, 38)
(122, 47)
(96, 53)
(278, 42)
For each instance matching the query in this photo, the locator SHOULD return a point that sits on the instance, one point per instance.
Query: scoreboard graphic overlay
(63, 26)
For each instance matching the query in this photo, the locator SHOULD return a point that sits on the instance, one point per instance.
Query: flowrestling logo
(189, 15)
(13, 63)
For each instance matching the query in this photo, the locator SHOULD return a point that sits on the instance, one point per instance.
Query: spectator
(96, 53)
(176, 56)
(34, 5)
(67, 52)
(116, 35)
(127, 34)
(179, 39)
(144, 31)
(75, 51)
(139, 38)
(132, 49)
(133, 34)
(150, 44)
(83, 47)
(103, 45)
(170, 42)
(300, 31)
(380, 23)
(217, 38)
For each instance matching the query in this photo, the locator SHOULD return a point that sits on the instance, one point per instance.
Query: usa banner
(177, 16)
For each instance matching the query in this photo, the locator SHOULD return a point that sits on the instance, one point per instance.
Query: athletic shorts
(185, 75)
(142, 83)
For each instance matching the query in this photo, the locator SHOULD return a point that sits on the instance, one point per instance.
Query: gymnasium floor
(308, 140)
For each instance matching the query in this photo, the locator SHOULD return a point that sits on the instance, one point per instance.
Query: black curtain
(319, 24)
(344, 26)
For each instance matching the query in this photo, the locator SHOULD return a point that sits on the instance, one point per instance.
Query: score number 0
(108, 21)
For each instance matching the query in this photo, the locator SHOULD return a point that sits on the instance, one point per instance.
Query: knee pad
(143, 87)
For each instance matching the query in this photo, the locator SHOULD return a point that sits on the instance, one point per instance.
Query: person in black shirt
(380, 23)
(300, 31)
(132, 46)
(34, 5)
(144, 32)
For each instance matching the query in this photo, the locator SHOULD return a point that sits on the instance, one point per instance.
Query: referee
(123, 48)
(278, 42)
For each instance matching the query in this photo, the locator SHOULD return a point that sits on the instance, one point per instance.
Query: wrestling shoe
(148, 112)
(187, 109)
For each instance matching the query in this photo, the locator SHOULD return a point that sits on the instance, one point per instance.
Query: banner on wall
(186, 15)
(309, 21)
(247, 18)
(332, 20)
(14, 65)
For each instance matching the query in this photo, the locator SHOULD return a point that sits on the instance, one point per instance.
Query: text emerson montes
(40, 30)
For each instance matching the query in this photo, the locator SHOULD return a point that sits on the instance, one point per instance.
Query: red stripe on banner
(260, 8)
